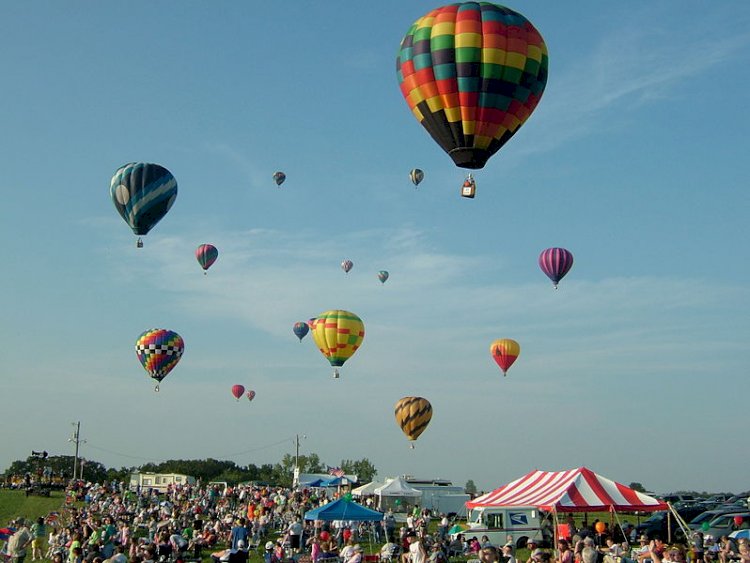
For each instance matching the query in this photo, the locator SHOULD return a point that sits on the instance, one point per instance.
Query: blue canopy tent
(334, 482)
(342, 509)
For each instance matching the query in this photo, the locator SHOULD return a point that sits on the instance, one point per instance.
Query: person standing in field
(38, 531)
(19, 541)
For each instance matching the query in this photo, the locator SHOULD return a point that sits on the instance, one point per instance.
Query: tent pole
(554, 533)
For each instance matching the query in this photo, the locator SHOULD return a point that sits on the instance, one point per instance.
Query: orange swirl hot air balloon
(413, 414)
(504, 352)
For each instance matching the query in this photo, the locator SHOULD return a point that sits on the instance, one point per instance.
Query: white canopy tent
(368, 489)
(397, 495)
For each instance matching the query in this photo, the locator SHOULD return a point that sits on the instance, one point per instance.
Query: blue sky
(635, 160)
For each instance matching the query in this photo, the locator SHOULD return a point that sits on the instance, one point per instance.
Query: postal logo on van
(518, 519)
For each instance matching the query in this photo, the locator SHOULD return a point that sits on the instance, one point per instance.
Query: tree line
(277, 474)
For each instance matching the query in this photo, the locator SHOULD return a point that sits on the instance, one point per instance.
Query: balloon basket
(156, 388)
(336, 374)
(411, 446)
(139, 243)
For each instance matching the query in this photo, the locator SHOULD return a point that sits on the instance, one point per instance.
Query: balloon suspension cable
(139, 243)
(336, 373)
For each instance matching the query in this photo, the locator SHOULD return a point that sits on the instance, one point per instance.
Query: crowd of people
(190, 522)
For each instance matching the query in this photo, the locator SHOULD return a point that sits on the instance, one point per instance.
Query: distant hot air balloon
(206, 254)
(383, 275)
(555, 262)
(142, 194)
(347, 265)
(159, 350)
(505, 351)
(250, 395)
(279, 178)
(311, 322)
(238, 391)
(338, 334)
(300, 330)
(416, 176)
(413, 414)
(472, 73)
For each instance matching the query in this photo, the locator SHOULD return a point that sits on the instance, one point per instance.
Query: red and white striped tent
(574, 490)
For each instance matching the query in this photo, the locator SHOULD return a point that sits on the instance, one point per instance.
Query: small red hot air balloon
(505, 351)
(238, 391)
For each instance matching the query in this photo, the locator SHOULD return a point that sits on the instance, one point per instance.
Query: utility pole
(76, 439)
(295, 478)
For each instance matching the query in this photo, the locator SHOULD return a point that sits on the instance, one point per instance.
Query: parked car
(661, 524)
(725, 524)
(697, 522)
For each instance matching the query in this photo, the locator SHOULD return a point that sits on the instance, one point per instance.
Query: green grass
(15, 503)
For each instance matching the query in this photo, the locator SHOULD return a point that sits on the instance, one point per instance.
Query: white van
(502, 525)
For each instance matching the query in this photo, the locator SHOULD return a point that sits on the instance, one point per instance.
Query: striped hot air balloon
(504, 352)
(555, 263)
(413, 414)
(206, 254)
(143, 193)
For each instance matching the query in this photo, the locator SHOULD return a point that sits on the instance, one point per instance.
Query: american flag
(335, 471)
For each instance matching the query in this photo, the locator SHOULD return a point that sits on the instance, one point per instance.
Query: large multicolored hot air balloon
(279, 178)
(472, 74)
(250, 395)
(347, 265)
(416, 176)
(338, 334)
(555, 263)
(238, 391)
(206, 254)
(413, 414)
(301, 329)
(505, 351)
(142, 193)
(383, 276)
(159, 350)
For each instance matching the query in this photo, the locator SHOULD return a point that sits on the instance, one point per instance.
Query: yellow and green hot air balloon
(338, 334)
(413, 414)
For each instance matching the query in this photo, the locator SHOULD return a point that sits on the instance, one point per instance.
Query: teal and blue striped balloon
(142, 193)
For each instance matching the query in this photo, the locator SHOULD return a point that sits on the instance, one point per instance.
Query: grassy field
(15, 503)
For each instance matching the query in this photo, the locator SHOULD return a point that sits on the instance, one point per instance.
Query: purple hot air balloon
(300, 330)
(555, 262)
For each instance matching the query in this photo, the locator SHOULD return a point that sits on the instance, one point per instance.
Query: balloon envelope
(206, 254)
(347, 265)
(279, 178)
(505, 351)
(416, 176)
(238, 391)
(555, 263)
(142, 194)
(338, 335)
(413, 414)
(159, 350)
(383, 276)
(472, 74)
(300, 329)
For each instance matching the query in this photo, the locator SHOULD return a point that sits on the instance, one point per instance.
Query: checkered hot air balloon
(504, 352)
(159, 350)
(555, 263)
(413, 414)
(472, 74)
(338, 335)
(206, 254)
(143, 193)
